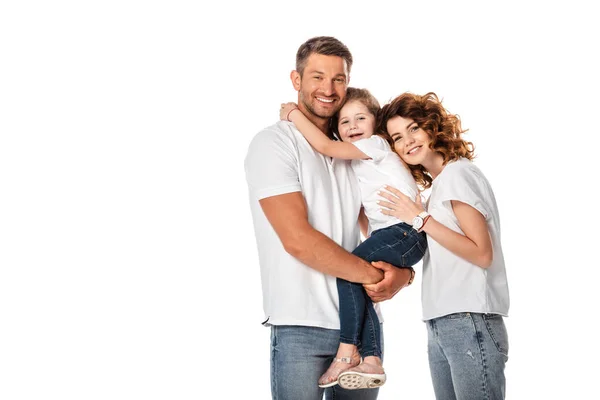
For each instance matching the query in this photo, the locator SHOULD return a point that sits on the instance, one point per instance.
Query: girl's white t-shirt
(384, 168)
(450, 283)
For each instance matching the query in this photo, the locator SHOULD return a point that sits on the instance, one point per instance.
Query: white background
(128, 267)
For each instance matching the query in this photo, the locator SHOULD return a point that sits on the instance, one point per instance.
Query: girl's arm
(474, 246)
(317, 139)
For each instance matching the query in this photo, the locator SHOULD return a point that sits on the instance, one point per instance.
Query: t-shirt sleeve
(465, 185)
(271, 165)
(375, 147)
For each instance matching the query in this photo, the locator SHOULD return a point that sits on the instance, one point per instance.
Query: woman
(465, 290)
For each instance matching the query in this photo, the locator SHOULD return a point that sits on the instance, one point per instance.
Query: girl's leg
(359, 323)
(352, 305)
(399, 245)
(352, 311)
(381, 246)
(371, 331)
(370, 373)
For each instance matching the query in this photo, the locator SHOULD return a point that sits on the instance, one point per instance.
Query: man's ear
(296, 80)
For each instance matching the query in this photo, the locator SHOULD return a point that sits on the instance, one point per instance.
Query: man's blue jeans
(299, 356)
(467, 354)
(399, 245)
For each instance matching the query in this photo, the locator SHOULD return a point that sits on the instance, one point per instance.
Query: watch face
(417, 222)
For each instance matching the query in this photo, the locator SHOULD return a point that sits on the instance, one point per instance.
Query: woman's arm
(317, 139)
(474, 246)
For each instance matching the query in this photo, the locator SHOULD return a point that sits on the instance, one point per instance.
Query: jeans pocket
(413, 255)
(497, 330)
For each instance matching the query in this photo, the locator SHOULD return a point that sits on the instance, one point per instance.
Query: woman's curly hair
(444, 129)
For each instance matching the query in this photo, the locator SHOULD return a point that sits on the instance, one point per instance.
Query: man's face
(322, 87)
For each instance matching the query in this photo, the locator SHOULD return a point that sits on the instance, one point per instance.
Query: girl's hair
(364, 97)
(444, 129)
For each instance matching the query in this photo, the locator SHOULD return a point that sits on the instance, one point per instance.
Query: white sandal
(352, 380)
(346, 360)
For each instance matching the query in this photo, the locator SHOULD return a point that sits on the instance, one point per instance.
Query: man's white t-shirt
(279, 161)
(384, 168)
(450, 283)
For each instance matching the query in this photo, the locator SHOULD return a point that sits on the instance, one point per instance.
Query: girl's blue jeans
(399, 245)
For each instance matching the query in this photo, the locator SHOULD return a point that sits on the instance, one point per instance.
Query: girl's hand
(399, 205)
(285, 109)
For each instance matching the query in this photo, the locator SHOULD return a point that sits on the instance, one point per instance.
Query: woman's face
(356, 122)
(410, 142)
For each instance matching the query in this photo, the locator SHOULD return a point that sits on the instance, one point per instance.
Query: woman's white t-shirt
(450, 283)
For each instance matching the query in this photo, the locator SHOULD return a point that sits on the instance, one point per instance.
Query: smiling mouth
(413, 150)
(324, 100)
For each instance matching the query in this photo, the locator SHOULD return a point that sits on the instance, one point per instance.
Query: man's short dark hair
(324, 45)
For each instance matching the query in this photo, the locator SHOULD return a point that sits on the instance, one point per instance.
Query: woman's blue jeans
(399, 245)
(467, 354)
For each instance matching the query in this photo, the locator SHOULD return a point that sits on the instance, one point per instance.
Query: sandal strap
(346, 360)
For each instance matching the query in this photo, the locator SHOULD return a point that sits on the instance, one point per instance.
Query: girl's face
(410, 142)
(355, 122)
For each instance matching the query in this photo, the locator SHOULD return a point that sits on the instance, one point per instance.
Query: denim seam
(356, 315)
(376, 351)
(273, 363)
(479, 336)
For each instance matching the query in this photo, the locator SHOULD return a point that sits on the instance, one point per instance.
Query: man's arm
(288, 215)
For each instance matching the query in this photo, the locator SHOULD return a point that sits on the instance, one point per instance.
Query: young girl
(465, 291)
(389, 239)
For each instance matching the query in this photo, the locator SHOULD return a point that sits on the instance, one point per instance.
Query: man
(305, 210)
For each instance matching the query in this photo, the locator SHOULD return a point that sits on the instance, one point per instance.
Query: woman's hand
(285, 110)
(399, 205)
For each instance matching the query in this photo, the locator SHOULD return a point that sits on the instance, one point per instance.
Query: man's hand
(393, 280)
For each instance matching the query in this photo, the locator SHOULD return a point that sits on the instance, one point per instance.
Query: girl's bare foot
(346, 358)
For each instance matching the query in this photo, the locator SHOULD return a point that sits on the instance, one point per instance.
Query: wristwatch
(419, 220)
